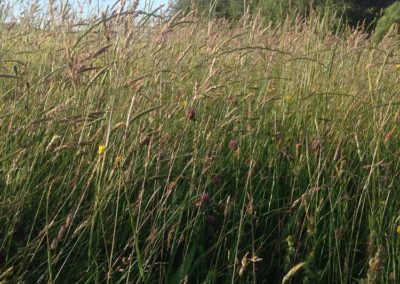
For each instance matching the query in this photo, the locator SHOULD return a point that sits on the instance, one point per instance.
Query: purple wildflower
(216, 180)
(191, 114)
(233, 145)
(205, 198)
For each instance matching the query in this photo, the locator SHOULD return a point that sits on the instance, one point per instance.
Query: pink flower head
(205, 198)
(191, 114)
(216, 180)
(233, 145)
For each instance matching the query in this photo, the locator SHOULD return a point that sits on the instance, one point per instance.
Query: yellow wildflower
(183, 103)
(398, 65)
(288, 98)
(102, 149)
(398, 229)
(118, 159)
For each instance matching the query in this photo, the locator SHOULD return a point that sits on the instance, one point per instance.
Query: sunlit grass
(199, 152)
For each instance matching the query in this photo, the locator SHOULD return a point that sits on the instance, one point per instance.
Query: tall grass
(233, 152)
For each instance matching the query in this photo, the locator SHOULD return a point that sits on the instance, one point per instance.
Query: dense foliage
(389, 20)
(357, 12)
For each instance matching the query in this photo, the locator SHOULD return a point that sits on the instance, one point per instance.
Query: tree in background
(364, 11)
(229, 9)
(357, 12)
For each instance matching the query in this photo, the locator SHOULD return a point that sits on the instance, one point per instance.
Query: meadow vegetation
(140, 150)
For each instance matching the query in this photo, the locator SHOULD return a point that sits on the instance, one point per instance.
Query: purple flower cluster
(233, 145)
(216, 180)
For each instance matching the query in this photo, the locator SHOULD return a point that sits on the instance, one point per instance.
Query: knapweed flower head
(205, 198)
(102, 149)
(233, 145)
(191, 114)
(216, 180)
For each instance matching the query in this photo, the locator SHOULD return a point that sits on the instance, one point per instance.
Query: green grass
(311, 195)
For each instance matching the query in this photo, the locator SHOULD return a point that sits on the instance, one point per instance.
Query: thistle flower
(191, 114)
(233, 145)
(102, 149)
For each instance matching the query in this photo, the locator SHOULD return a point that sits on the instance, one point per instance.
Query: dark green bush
(355, 12)
(390, 17)
(274, 10)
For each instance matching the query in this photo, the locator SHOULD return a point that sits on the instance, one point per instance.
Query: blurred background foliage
(369, 14)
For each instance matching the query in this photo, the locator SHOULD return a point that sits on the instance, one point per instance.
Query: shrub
(390, 17)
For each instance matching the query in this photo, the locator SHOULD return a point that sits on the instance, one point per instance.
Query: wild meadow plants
(140, 150)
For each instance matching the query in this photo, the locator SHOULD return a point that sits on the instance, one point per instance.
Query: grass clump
(185, 150)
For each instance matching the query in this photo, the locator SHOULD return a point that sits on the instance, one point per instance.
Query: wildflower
(102, 149)
(398, 66)
(205, 197)
(288, 98)
(191, 114)
(233, 145)
(183, 103)
(398, 230)
(216, 180)
(118, 159)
